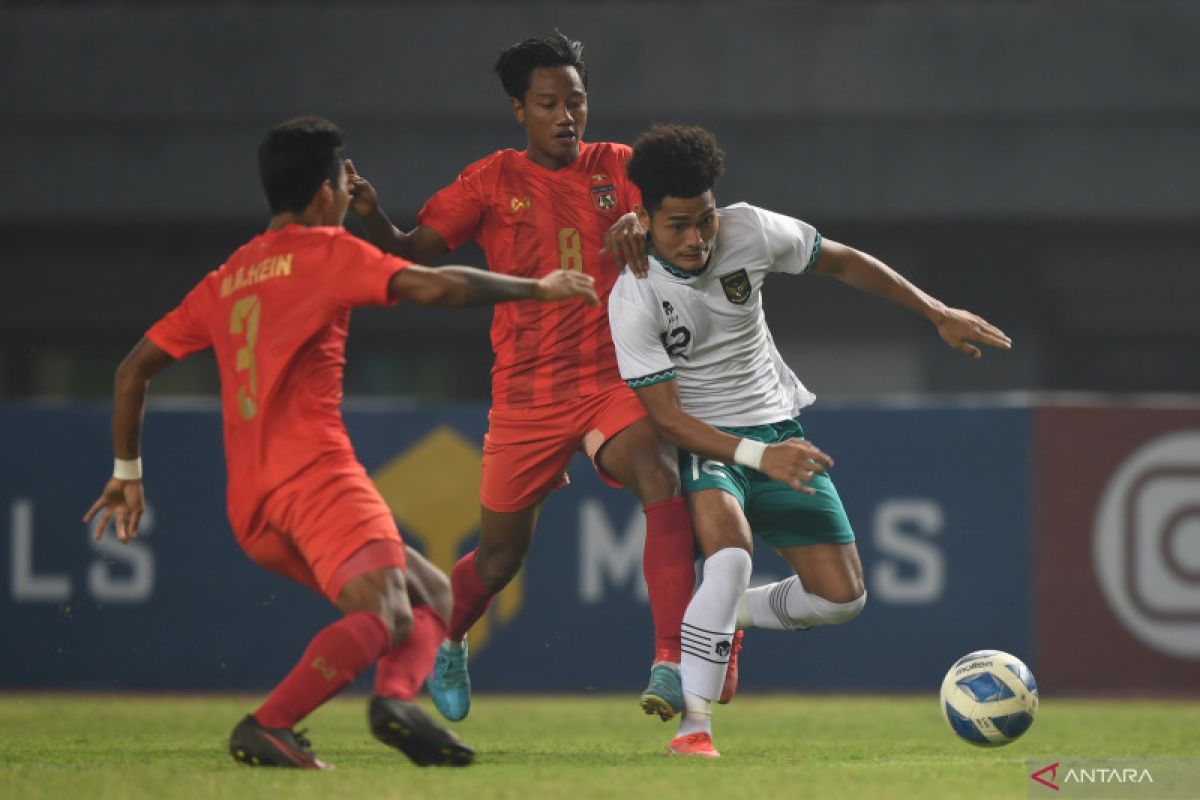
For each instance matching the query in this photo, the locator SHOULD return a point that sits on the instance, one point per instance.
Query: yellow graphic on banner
(433, 490)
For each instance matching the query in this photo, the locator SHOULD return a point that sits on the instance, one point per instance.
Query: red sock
(334, 658)
(404, 668)
(669, 564)
(471, 597)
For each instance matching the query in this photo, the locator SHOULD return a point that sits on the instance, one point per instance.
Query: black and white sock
(786, 606)
(708, 628)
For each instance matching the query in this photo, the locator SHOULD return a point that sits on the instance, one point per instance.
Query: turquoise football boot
(664, 694)
(450, 685)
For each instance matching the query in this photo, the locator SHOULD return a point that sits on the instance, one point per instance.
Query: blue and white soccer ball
(989, 698)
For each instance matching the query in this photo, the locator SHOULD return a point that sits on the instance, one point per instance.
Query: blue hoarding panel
(939, 497)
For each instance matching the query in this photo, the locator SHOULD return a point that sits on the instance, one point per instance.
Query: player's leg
(428, 585)
(524, 458)
(827, 589)
(253, 742)
(645, 465)
(814, 535)
(375, 608)
(402, 670)
(394, 717)
(376, 615)
(504, 540)
(342, 531)
(709, 622)
(627, 450)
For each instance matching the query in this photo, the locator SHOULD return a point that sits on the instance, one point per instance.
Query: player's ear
(518, 109)
(321, 199)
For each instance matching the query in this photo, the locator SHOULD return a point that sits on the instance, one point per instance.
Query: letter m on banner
(606, 554)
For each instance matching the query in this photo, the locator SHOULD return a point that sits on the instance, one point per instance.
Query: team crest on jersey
(604, 197)
(520, 204)
(736, 286)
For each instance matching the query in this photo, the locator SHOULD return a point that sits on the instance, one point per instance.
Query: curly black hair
(552, 50)
(675, 161)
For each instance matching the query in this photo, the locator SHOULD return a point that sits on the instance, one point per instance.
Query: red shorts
(324, 527)
(526, 450)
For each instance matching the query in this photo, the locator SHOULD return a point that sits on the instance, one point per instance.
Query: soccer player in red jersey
(555, 383)
(276, 315)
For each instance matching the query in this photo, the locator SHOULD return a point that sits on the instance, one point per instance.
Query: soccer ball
(989, 698)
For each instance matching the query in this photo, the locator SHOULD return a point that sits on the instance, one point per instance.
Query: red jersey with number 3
(276, 315)
(530, 221)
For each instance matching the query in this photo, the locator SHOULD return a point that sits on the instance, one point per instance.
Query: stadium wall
(1068, 535)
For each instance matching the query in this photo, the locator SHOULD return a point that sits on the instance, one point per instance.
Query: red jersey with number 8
(276, 315)
(530, 220)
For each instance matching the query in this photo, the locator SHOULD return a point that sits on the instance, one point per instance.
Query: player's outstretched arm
(122, 498)
(421, 244)
(793, 462)
(957, 327)
(468, 286)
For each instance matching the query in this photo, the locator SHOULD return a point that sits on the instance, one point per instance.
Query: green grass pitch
(138, 746)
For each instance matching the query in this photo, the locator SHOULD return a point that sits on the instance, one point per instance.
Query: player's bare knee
(401, 617)
(657, 484)
(428, 585)
(437, 593)
(381, 592)
(657, 478)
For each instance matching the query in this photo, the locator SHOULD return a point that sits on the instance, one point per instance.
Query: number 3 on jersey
(244, 320)
(570, 250)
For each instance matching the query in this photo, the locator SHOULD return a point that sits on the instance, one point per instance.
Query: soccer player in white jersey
(693, 343)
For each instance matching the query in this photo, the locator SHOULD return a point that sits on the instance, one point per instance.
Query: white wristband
(749, 453)
(127, 469)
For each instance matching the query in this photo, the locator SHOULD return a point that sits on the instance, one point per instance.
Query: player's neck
(546, 161)
(676, 270)
(292, 218)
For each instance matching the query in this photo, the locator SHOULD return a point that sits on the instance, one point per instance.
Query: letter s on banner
(901, 531)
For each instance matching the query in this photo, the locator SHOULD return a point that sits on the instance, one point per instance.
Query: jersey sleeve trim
(816, 251)
(651, 379)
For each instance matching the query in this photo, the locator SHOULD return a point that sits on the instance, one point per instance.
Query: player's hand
(626, 240)
(122, 501)
(363, 200)
(795, 462)
(563, 285)
(959, 328)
